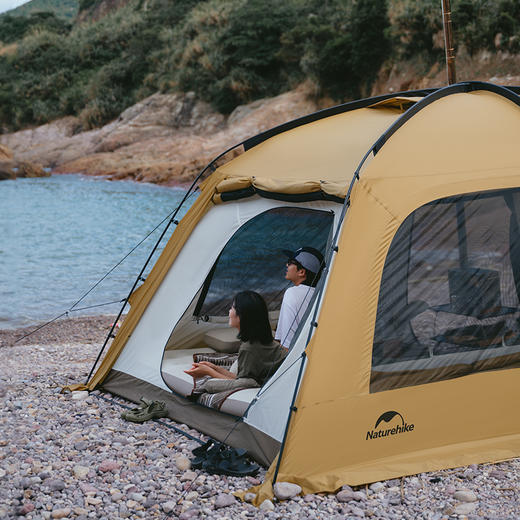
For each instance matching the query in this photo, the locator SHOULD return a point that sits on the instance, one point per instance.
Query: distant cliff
(153, 89)
(164, 139)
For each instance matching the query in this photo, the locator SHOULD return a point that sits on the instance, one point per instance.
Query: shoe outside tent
(408, 358)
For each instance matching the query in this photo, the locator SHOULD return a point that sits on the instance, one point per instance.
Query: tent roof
(327, 151)
(322, 152)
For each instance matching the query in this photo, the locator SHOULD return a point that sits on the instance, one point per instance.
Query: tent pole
(448, 41)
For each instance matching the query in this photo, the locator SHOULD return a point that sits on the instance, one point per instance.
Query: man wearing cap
(303, 270)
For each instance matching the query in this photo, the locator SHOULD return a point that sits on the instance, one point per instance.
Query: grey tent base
(217, 425)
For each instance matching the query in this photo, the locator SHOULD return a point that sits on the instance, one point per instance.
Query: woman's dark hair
(254, 318)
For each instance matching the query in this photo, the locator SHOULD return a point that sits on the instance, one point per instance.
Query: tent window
(253, 258)
(448, 301)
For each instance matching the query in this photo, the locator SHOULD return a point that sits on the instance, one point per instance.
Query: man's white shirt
(294, 304)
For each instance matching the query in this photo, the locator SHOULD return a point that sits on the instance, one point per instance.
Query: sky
(5, 5)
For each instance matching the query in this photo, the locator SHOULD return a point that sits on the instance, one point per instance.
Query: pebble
(286, 490)
(183, 463)
(357, 511)
(81, 472)
(60, 513)
(376, 487)
(465, 495)
(465, 508)
(108, 465)
(267, 505)
(224, 500)
(79, 455)
(56, 485)
(25, 509)
(188, 476)
(347, 495)
(169, 506)
(79, 395)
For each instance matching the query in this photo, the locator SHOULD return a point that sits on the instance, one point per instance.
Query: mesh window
(448, 301)
(253, 258)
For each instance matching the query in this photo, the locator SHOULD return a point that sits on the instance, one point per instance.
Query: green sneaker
(153, 410)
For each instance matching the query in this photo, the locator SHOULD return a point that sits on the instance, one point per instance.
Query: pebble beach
(72, 456)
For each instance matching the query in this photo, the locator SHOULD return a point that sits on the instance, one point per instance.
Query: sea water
(62, 234)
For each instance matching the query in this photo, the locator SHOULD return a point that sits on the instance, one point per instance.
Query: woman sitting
(259, 356)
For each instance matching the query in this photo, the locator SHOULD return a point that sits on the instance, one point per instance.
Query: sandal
(201, 454)
(235, 464)
(152, 410)
(220, 459)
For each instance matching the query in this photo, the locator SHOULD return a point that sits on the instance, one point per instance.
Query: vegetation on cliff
(66, 9)
(229, 52)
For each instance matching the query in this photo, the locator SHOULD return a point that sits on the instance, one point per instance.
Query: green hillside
(66, 9)
(229, 52)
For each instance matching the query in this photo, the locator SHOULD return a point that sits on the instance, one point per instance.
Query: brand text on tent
(376, 434)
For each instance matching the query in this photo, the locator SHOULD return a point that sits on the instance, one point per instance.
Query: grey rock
(465, 495)
(56, 485)
(286, 490)
(267, 505)
(25, 483)
(357, 511)
(149, 502)
(190, 513)
(465, 508)
(224, 500)
(348, 495)
(376, 487)
(168, 507)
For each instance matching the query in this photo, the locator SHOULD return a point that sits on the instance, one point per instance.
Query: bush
(13, 28)
(229, 52)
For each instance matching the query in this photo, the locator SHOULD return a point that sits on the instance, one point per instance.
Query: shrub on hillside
(417, 26)
(13, 28)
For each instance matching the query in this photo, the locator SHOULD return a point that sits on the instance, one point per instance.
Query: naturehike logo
(387, 417)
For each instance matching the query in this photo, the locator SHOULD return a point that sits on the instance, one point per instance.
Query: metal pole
(448, 41)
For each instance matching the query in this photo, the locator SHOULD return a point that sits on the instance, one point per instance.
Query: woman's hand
(205, 368)
(208, 364)
(198, 370)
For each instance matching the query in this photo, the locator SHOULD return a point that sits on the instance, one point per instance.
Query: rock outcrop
(169, 138)
(165, 139)
(11, 168)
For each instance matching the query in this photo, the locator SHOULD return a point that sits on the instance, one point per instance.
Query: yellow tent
(409, 353)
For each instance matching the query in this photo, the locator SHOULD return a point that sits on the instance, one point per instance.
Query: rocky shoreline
(82, 329)
(72, 456)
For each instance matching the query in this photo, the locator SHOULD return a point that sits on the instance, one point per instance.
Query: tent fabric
(392, 163)
(462, 143)
(279, 186)
(325, 150)
(179, 289)
(369, 124)
(154, 279)
(221, 426)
